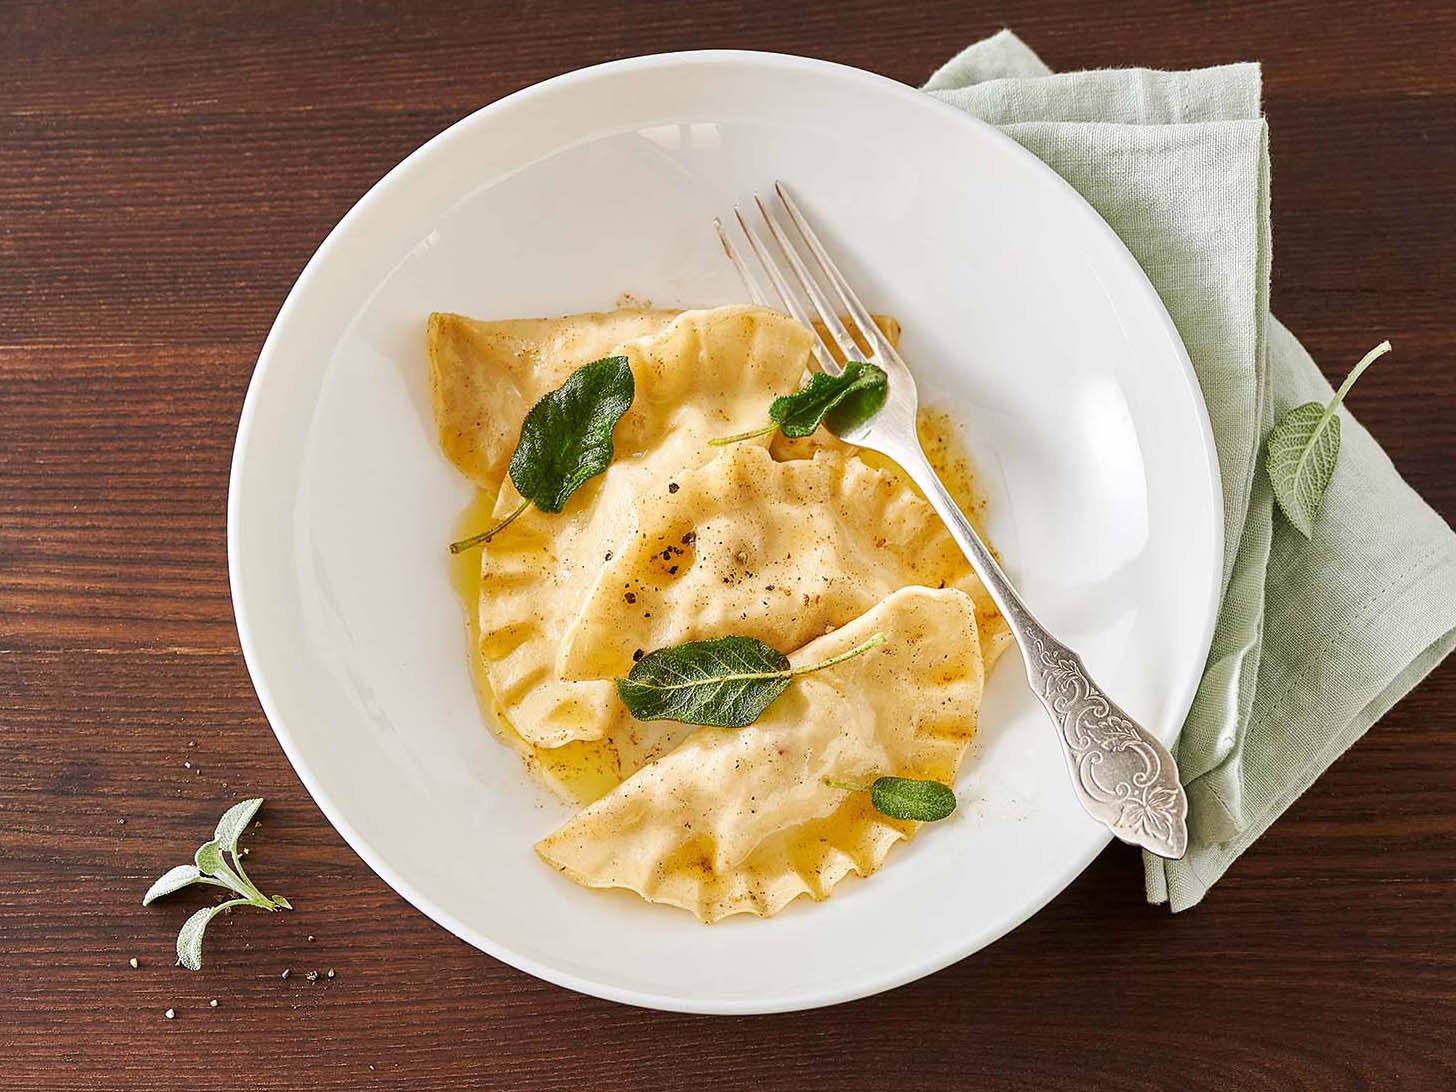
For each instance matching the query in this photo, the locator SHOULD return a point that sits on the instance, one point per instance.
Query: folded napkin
(1315, 640)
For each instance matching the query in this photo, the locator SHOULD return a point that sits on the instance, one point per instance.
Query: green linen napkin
(1316, 639)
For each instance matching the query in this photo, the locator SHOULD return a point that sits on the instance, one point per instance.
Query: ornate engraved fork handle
(1124, 777)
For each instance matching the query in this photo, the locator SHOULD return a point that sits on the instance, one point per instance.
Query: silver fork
(1123, 776)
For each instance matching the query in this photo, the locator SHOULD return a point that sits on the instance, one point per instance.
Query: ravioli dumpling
(740, 820)
(781, 551)
(704, 374)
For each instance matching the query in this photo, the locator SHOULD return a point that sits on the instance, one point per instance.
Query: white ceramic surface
(1022, 311)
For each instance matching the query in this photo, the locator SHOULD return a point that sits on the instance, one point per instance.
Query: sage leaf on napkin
(840, 402)
(1302, 449)
(726, 682)
(210, 866)
(905, 797)
(566, 439)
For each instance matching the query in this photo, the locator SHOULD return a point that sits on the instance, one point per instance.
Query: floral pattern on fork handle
(1125, 777)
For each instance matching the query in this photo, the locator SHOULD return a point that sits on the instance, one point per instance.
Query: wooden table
(165, 172)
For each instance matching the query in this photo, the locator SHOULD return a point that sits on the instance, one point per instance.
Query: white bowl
(1022, 312)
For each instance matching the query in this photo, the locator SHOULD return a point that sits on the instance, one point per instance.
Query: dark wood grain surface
(165, 172)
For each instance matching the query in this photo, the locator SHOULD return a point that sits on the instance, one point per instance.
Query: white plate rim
(809, 999)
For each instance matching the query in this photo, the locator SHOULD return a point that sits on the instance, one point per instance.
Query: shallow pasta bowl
(1025, 318)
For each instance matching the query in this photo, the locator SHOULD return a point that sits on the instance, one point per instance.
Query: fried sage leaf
(566, 439)
(840, 402)
(726, 682)
(905, 797)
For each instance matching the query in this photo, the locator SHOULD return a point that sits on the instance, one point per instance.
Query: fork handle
(1124, 777)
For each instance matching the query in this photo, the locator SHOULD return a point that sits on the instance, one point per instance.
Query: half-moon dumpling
(740, 820)
(781, 551)
(704, 374)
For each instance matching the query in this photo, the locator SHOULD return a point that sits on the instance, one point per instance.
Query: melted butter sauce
(579, 772)
(945, 447)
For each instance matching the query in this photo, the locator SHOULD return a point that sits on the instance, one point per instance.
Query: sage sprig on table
(565, 440)
(840, 402)
(723, 683)
(905, 797)
(1302, 448)
(210, 866)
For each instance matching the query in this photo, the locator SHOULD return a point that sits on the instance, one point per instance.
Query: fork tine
(809, 286)
(790, 300)
(750, 282)
(868, 328)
